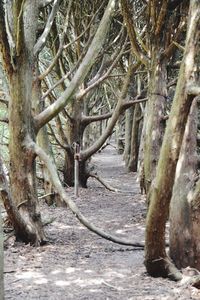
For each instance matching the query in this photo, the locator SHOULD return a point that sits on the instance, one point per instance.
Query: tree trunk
(1, 260)
(156, 260)
(155, 110)
(184, 213)
(119, 134)
(128, 129)
(74, 133)
(135, 141)
(21, 127)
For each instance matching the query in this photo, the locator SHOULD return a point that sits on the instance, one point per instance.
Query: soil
(77, 264)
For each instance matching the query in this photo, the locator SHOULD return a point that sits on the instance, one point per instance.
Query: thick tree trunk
(21, 127)
(184, 214)
(156, 260)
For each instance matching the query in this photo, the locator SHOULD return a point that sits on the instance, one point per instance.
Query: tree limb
(161, 17)
(43, 38)
(89, 119)
(102, 181)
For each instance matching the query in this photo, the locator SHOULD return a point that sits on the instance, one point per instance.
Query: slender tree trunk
(156, 260)
(135, 141)
(128, 129)
(1, 260)
(120, 136)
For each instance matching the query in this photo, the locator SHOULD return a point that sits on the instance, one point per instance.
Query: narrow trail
(77, 264)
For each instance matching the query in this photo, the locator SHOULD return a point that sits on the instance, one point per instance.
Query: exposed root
(163, 267)
(105, 184)
(61, 191)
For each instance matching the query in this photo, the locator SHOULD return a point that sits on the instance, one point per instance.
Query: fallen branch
(105, 184)
(67, 200)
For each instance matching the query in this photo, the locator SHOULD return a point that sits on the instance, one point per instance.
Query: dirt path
(77, 264)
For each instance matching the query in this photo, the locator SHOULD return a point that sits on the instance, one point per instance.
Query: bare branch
(43, 38)
(179, 46)
(102, 181)
(128, 104)
(62, 39)
(56, 139)
(161, 17)
(89, 119)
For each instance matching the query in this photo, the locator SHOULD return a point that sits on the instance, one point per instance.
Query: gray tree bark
(1, 260)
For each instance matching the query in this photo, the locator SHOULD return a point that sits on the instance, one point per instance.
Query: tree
(156, 260)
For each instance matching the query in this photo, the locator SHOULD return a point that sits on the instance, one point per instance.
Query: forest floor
(77, 264)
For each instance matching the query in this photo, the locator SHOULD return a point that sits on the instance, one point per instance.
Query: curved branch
(89, 119)
(60, 49)
(105, 184)
(128, 104)
(161, 17)
(64, 197)
(43, 38)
